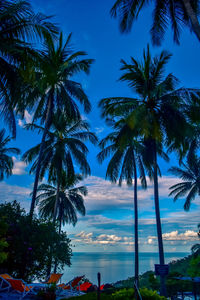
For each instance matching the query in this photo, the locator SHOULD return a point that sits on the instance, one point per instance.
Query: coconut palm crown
(125, 151)
(53, 89)
(19, 26)
(6, 161)
(64, 146)
(176, 13)
(155, 113)
(189, 187)
(71, 200)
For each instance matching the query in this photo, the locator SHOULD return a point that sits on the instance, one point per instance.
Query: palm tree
(6, 161)
(54, 89)
(70, 200)
(190, 184)
(126, 159)
(63, 146)
(18, 27)
(177, 13)
(155, 113)
(196, 248)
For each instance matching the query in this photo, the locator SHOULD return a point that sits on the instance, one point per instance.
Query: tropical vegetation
(158, 105)
(122, 294)
(6, 161)
(165, 13)
(29, 245)
(53, 89)
(190, 184)
(19, 26)
(40, 74)
(125, 149)
(70, 201)
(64, 145)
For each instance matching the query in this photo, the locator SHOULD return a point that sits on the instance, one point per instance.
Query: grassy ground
(122, 294)
(91, 296)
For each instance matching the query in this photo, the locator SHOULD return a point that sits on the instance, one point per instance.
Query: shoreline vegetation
(149, 285)
(179, 266)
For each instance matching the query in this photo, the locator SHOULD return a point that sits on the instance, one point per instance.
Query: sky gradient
(108, 224)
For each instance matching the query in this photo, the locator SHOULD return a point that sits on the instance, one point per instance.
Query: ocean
(112, 266)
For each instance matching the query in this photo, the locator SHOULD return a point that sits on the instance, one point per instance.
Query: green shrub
(123, 294)
(91, 296)
(29, 245)
(149, 294)
(128, 294)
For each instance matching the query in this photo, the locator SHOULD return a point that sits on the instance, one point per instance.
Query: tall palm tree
(125, 151)
(155, 113)
(178, 13)
(6, 161)
(54, 89)
(190, 184)
(19, 26)
(64, 146)
(71, 200)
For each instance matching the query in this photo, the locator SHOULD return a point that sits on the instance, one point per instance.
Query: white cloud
(27, 119)
(188, 235)
(103, 239)
(20, 123)
(98, 130)
(104, 195)
(84, 117)
(150, 241)
(14, 192)
(19, 167)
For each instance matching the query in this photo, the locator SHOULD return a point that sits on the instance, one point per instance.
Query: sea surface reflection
(112, 266)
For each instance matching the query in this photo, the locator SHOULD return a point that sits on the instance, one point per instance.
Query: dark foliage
(30, 244)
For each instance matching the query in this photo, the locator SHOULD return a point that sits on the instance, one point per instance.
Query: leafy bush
(91, 296)
(128, 294)
(31, 244)
(194, 268)
(149, 294)
(123, 294)
(3, 243)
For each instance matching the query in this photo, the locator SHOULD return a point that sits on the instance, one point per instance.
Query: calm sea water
(112, 266)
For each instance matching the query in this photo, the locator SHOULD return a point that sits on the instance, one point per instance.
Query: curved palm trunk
(37, 173)
(59, 231)
(193, 18)
(57, 201)
(54, 220)
(158, 222)
(136, 227)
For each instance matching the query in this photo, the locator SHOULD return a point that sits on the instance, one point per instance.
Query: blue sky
(108, 224)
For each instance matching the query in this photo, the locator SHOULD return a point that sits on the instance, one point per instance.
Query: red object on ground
(84, 286)
(72, 284)
(101, 287)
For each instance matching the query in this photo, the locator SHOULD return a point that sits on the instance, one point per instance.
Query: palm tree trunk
(37, 173)
(158, 222)
(136, 227)
(60, 225)
(59, 231)
(193, 18)
(57, 200)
